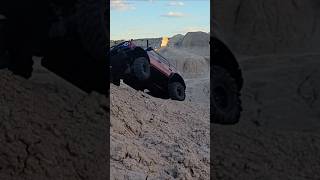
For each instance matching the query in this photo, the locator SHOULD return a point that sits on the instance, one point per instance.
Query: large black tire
(225, 97)
(176, 91)
(141, 68)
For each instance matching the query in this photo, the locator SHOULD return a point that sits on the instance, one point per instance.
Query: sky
(134, 19)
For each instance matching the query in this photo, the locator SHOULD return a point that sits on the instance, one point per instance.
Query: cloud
(174, 14)
(121, 5)
(176, 3)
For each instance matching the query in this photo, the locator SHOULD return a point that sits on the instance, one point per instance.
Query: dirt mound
(263, 27)
(195, 39)
(154, 138)
(195, 43)
(278, 134)
(176, 40)
(50, 130)
(189, 64)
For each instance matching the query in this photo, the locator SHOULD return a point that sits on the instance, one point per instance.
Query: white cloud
(121, 5)
(174, 14)
(176, 3)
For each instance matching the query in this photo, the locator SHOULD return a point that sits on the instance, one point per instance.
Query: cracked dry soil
(154, 138)
(51, 130)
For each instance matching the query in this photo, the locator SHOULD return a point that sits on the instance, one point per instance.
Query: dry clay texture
(51, 130)
(270, 26)
(155, 138)
(278, 135)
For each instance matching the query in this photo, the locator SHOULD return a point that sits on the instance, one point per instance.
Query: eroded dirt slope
(156, 138)
(50, 130)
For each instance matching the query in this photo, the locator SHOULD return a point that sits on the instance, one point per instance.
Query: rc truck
(145, 69)
(226, 81)
(71, 36)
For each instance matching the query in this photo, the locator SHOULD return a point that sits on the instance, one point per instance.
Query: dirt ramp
(153, 138)
(48, 132)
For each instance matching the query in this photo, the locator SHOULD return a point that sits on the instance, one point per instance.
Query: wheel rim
(220, 97)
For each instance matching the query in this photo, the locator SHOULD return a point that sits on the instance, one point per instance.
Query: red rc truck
(145, 69)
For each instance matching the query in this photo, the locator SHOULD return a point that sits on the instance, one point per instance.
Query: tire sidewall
(231, 113)
(141, 68)
(174, 88)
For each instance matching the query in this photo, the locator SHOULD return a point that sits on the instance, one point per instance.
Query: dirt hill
(189, 64)
(50, 130)
(154, 138)
(195, 39)
(176, 40)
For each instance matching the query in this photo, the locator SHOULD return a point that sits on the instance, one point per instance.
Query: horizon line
(156, 37)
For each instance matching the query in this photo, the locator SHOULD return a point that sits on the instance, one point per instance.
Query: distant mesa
(196, 39)
(190, 40)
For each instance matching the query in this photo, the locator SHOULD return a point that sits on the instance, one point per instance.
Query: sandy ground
(278, 134)
(51, 130)
(153, 138)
